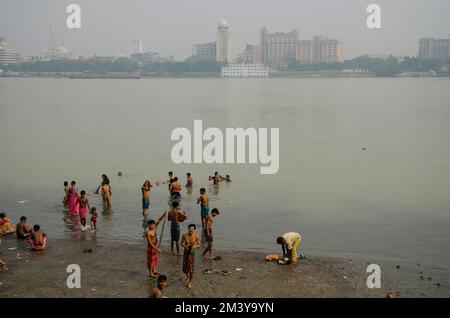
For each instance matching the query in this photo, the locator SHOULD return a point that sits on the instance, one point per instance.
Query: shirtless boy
(190, 242)
(175, 188)
(175, 216)
(37, 236)
(189, 181)
(157, 291)
(152, 246)
(106, 194)
(84, 206)
(208, 232)
(22, 229)
(145, 189)
(204, 208)
(216, 178)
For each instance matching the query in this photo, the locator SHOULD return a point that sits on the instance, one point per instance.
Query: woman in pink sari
(74, 206)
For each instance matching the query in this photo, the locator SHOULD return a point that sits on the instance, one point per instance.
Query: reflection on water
(72, 225)
(214, 189)
(107, 212)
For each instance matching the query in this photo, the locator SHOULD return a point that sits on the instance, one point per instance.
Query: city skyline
(121, 23)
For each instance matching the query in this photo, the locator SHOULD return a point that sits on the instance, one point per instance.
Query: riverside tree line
(390, 66)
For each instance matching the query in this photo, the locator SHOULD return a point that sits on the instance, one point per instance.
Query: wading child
(93, 214)
(216, 178)
(189, 181)
(175, 216)
(208, 232)
(175, 189)
(204, 208)
(145, 189)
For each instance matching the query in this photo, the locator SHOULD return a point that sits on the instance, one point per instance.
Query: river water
(390, 201)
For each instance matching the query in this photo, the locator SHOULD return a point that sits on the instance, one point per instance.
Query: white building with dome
(224, 43)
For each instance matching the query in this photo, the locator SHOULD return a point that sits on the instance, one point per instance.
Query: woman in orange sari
(6, 227)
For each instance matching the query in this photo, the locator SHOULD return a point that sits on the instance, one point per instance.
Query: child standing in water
(204, 208)
(93, 214)
(175, 189)
(66, 191)
(208, 232)
(83, 201)
(189, 181)
(145, 189)
(216, 178)
(175, 216)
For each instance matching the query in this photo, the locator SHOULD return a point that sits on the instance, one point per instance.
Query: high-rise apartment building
(250, 55)
(278, 49)
(204, 51)
(439, 50)
(320, 50)
(431, 48)
(224, 43)
(304, 52)
(136, 47)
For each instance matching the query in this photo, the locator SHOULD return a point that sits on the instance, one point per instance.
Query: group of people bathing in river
(78, 203)
(35, 237)
(190, 241)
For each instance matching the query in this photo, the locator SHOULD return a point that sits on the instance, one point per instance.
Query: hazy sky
(172, 26)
